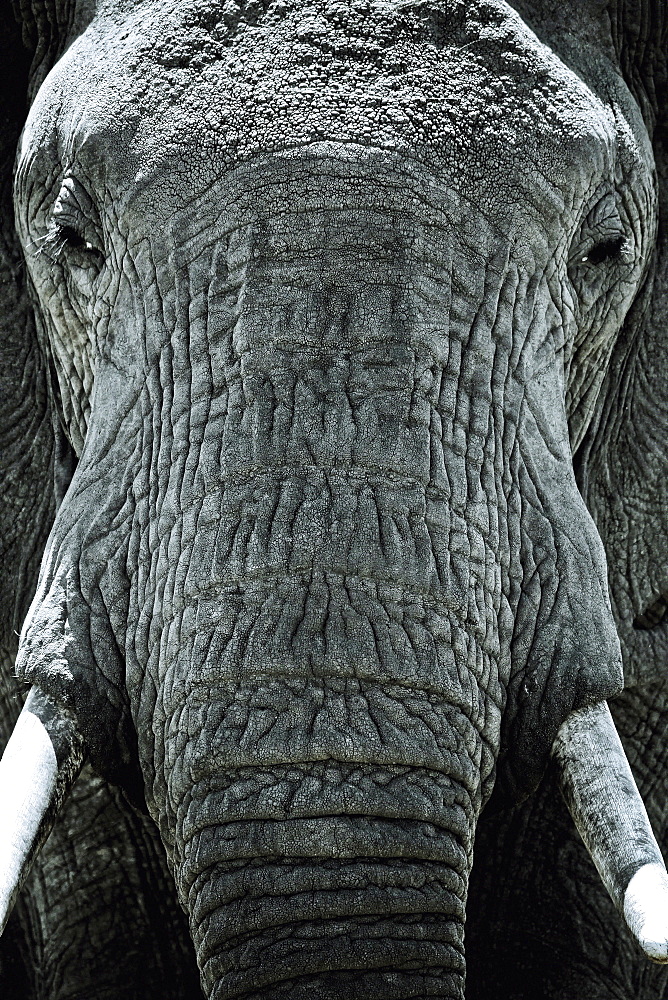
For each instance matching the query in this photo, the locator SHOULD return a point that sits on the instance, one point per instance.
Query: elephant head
(329, 293)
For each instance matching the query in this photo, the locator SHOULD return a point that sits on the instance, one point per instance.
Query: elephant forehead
(362, 215)
(464, 87)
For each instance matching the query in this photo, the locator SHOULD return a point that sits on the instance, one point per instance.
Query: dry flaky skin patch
(322, 287)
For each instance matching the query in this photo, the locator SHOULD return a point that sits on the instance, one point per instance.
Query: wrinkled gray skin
(99, 906)
(330, 295)
(532, 874)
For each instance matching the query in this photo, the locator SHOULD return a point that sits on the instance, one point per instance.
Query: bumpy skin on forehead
(454, 88)
(191, 105)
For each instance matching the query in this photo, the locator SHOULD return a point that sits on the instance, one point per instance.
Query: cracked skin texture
(331, 294)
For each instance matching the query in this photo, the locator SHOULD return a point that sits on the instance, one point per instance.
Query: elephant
(333, 470)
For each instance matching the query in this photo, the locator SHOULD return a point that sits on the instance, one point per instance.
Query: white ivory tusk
(610, 816)
(646, 910)
(39, 766)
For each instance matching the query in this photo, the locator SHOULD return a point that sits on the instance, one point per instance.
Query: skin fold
(333, 360)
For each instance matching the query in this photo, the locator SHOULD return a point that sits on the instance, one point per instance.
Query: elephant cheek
(69, 649)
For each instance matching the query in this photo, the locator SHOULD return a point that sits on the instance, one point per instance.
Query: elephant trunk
(353, 904)
(303, 878)
(319, 815)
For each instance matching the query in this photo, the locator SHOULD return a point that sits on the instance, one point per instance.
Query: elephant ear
(27, 441)
(27, 434)
(623, 464)
(47, 28)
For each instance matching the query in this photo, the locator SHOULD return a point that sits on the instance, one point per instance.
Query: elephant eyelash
(50, 245)
(60, 238)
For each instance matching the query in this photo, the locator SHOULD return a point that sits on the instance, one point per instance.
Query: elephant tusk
(610, 816)
(38, 768)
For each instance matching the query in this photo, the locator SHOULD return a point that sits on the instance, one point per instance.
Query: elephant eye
(615, 248)
(73, 239)
(63, 239)
(74, 231)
